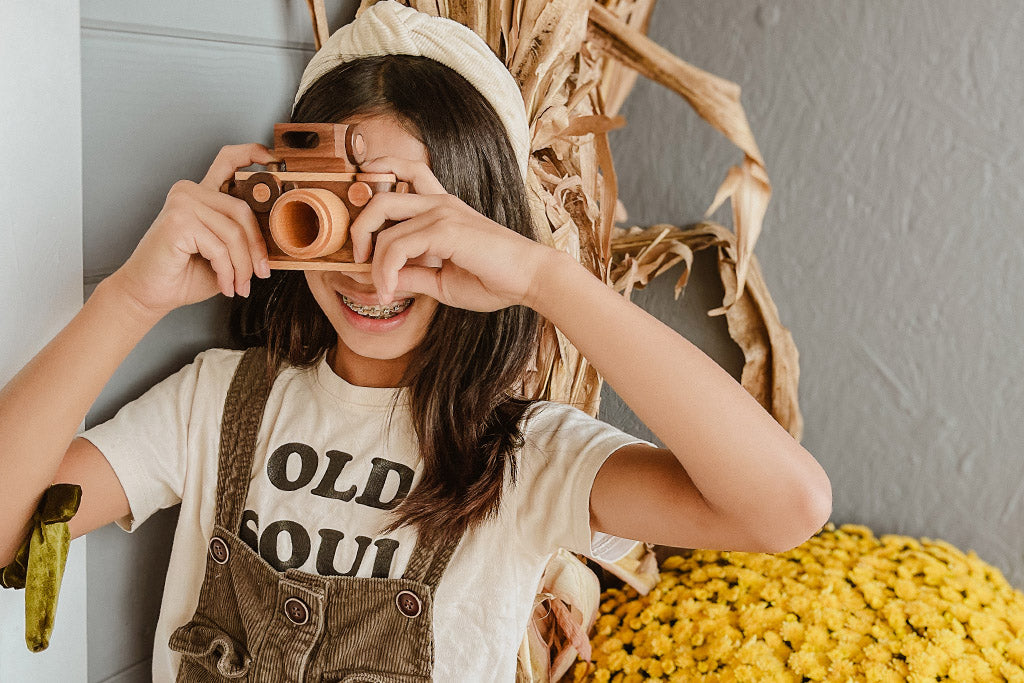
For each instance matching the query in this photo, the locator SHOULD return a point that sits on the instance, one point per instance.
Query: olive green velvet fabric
(39, 565)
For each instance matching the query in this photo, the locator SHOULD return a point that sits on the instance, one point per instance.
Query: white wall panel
(260, 22)
(40, 267)
(158, 109)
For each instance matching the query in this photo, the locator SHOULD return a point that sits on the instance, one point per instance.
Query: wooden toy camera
(305, 204)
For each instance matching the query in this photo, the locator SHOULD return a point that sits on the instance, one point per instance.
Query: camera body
(305, 203)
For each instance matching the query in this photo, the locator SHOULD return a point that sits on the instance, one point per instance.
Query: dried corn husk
(638, 568)
(564, 610)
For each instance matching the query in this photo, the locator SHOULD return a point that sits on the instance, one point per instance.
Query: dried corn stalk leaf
(473, 14)
(564, 610)
(716, 100)
(617, 79)
(638, 568)
(318, 14)
(748, 187)
(435, 8)
(772, 369)
(652, 260)
(552, 39)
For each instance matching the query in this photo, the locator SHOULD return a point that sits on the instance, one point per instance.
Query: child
(366, 491)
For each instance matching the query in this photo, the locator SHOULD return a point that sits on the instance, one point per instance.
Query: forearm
(742, 461)
(42, 407)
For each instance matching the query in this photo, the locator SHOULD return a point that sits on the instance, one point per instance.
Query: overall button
(219, 550)
(408, 603)
(296, 611)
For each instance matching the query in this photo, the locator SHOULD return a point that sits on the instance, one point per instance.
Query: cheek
(314, 280)
(326, 297)
(425, 316)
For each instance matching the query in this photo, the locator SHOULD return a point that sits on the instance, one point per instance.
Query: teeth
(381, 312)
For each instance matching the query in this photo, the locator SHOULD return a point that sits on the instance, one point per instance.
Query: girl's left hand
(441, 246)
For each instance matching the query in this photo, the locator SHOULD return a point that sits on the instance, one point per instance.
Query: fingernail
(244, 289)
(263, 269)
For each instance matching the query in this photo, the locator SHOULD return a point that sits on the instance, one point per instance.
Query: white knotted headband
(390, 28)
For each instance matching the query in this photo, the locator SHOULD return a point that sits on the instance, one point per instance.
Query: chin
(383, 349)
(367, 331)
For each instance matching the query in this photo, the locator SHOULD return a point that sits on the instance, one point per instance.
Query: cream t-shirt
(325, 468)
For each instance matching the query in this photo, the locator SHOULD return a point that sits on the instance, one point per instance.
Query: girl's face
(374, 345)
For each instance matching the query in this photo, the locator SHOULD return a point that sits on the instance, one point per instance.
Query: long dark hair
(464, 377)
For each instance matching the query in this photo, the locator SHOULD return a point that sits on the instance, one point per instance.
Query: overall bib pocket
(211, 648)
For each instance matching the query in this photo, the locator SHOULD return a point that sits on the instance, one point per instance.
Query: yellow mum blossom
(844, 606)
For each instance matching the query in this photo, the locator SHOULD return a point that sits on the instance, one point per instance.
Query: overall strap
(430, 557)
(243, 412)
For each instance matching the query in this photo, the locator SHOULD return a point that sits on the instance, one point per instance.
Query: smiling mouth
(378, 312)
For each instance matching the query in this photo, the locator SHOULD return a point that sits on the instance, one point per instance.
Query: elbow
(806, 511)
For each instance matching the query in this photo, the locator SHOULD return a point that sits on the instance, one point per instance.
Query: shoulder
(218, 365)
(563, 449)
(210, 370)
(545, 415)
(557, 431)
(547, 422)
(206, 378)
(217, 360)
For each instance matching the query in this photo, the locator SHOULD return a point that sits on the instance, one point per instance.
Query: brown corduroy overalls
(254, 623)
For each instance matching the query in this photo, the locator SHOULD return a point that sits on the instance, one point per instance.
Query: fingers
(417, 173)
(230, 159)
(240, 212)
(216, 252)
(408, 241)
(421, 280)
(391, 206)
(234, 264)
(227, 235)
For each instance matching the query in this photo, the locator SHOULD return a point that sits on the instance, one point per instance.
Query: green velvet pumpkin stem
(38, 566)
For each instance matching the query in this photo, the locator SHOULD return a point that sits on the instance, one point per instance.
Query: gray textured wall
(890, 131)
(892, 247)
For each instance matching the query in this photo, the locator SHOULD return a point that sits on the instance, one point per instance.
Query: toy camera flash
(305, 204)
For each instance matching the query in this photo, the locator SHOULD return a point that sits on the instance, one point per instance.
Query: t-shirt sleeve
(563, 450)
(150, 441)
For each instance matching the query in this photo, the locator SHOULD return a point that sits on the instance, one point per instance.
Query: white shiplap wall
(164, 86)
(40, 267)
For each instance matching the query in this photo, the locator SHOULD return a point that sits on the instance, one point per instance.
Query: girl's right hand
(202, 242)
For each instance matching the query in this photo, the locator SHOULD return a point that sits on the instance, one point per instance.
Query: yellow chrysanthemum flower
(843, 606)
